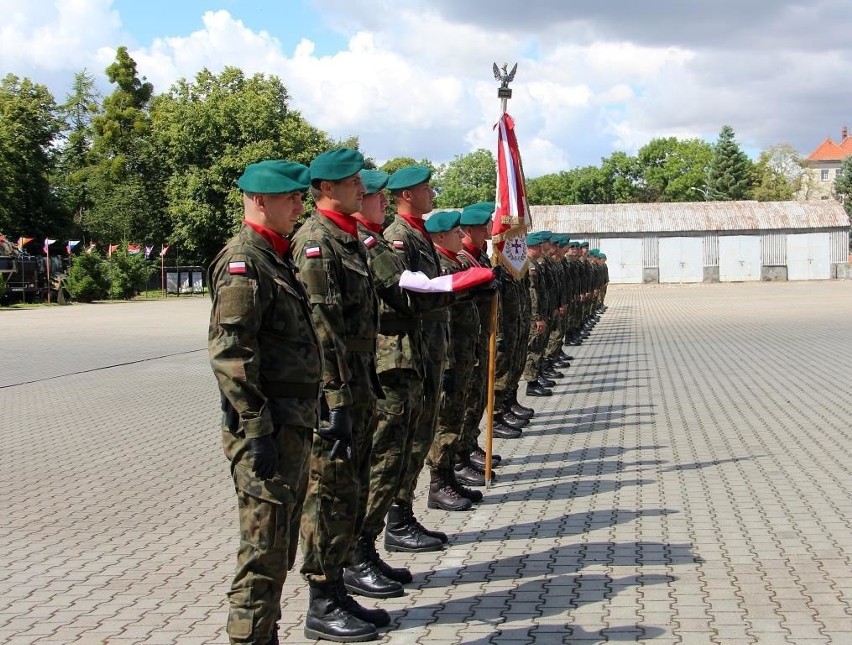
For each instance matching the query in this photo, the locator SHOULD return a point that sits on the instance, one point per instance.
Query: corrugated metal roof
(676, 217)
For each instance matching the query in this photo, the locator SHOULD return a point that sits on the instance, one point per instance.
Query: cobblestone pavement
(690, 483)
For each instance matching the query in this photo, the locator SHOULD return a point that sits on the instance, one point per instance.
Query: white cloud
(414, 79)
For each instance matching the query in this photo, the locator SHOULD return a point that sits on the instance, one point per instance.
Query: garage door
(739, 258)
(681, 259)
(624, 259)
(808, 255)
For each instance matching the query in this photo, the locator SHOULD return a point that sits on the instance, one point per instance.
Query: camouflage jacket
(263, 347)
(417, 253)
(333, 267)
(483, 304)
(464, 322)
(399, 342)
(539, 290)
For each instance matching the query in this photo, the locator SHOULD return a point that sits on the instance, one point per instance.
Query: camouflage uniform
(417, 252)
(333, 267)
(540, 290)
(476, 387)
(560, 299)
(400, 367)
(266, 357)
(464, 334)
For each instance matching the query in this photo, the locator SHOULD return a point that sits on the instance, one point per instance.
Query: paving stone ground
(689, 483)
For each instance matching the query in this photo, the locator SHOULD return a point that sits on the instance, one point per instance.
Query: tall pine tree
(731, 173)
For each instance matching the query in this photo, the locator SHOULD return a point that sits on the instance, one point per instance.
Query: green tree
(29, 127)
(125, 179)
(778, 174)
(80, 107)
(87, 280)
(467, 179)
(671, 170)
(206, 131)
(127, 273)
(622, 177)
(392, 165)
(551, 189)
(731, 172)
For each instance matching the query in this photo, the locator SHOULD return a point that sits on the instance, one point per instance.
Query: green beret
(574, 245)
(274, 176)
(374, 181)
(477, 214)
(408, 177)
(564, 241)
(443, 222)
(602, 256)
(584, 245)
(595, 251)
(545, 235)
(335, 165)
(534, 239)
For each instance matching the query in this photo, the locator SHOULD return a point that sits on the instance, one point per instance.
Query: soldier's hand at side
(339, 426)
(501, 344)
(264, 454)
(448, 381)
(540, 326)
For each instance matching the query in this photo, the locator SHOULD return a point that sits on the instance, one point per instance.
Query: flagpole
(504, 93)
(47, 267)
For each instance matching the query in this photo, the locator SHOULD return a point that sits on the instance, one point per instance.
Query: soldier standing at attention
(333, 266)
(476, 226)
(410, 190)
(400, 366)
(266, 357)
(540, 310)
(445, 492)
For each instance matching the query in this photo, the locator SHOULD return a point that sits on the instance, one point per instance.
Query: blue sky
(413, 77)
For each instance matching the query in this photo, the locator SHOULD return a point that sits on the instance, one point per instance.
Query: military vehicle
(26, 276)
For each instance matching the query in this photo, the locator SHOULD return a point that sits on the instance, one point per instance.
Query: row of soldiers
(338, 385)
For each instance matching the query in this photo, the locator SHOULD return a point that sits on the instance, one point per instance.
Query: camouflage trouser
(535, 348)
(554, 342)
(269, 513)
(451, 410)
(513, 346)
(336, 501)
(403, 390)
(476, 399)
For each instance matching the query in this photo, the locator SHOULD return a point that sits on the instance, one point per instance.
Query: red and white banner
(459, 281)
(511, 212)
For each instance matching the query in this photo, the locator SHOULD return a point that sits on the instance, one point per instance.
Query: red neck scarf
(345, 223)
(278, 242)
(418, 223)
(372, 226)
(448, 254)
(470, 248)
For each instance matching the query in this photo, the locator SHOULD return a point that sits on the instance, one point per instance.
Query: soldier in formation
(338, 385)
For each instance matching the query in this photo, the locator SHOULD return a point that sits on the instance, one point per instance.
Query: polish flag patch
(370, 242)
(398, 244)
(313, 252)
(236, 268)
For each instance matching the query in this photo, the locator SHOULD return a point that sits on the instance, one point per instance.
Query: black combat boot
(400, 574)
(545, 382)
(364, 578)
(535, 388)
(468, 493)
(477, 458)
(442, 494)
(548, 372)
(328, 620)
(378, 617)
(404, 533)
(511, 421)
(520, 410)
(503, 431)
(430, 532)
(464, 472)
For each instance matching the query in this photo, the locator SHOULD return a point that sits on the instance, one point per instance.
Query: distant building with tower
(822, 167)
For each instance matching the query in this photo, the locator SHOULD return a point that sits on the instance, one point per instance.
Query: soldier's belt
(288, 390)
(363, 345)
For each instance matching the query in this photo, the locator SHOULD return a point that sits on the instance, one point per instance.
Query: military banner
(511, 213)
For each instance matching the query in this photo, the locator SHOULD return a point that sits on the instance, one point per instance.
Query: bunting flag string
(133, 249)
(47, 243)
(148, 250)
(23, 241)
(71, 244)
(164, 250)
